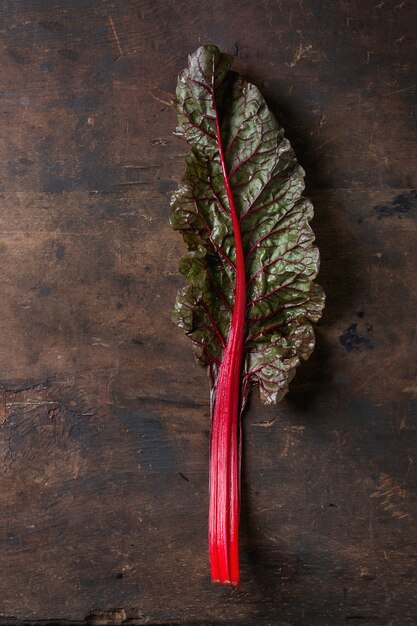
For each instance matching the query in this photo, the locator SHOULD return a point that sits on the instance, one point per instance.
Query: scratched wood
(104, 415)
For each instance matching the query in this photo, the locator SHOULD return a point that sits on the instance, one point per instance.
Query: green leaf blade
(280, 256)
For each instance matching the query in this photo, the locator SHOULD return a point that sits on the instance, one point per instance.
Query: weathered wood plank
(104, 415)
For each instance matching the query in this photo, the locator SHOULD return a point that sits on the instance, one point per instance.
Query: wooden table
(104, 414)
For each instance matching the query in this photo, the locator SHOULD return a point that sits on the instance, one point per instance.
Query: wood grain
(103, 413)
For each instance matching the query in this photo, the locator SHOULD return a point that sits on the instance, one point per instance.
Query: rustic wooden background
(104, 415)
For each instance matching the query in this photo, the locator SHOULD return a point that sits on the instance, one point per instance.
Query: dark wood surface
(104, 414)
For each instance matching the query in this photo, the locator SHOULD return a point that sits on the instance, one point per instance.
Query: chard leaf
(281, 261)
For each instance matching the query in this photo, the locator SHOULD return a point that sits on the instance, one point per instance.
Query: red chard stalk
(250, 267)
